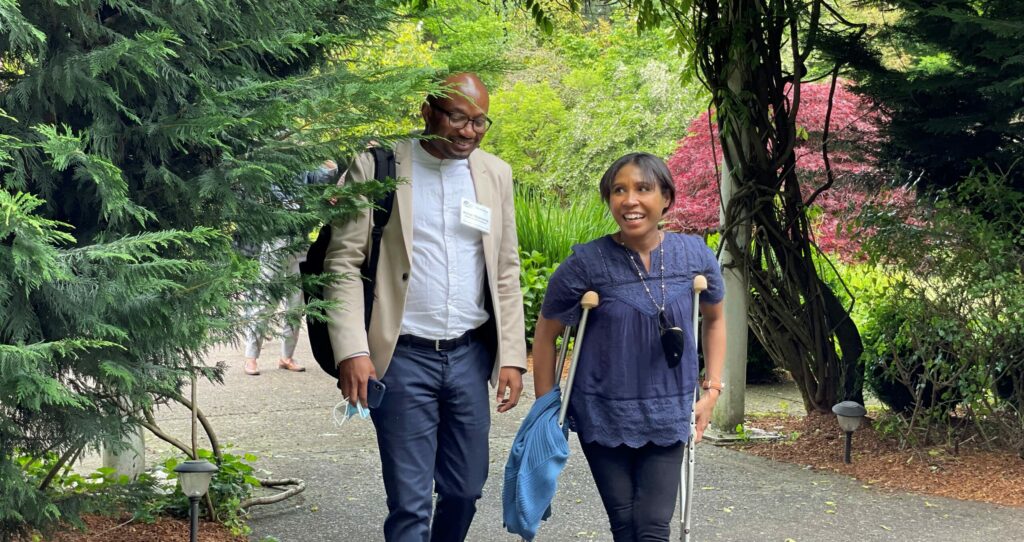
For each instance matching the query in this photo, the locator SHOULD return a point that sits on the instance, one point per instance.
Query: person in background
(273, 265)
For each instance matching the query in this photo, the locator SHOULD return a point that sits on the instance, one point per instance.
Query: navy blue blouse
(625, 392)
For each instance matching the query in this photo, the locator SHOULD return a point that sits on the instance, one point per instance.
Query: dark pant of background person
(638, 487)
(432, 428)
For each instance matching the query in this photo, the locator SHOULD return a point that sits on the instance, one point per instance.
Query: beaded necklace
(673, 342)
(636, 266)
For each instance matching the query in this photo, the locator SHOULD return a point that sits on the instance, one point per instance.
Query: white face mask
(350, 412)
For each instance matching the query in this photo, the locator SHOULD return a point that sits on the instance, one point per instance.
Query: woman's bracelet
(707, 385)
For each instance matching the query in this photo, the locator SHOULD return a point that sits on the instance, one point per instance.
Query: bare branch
(299, 487)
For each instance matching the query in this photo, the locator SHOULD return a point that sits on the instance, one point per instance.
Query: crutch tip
(700, 283)
(590, 300)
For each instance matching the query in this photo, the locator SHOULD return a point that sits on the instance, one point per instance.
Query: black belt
(437, 344)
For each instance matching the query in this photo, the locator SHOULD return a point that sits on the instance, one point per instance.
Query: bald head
(471, 87)
(458, 120)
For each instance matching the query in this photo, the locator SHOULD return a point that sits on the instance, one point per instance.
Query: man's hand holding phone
(374, 393)
(353, 376)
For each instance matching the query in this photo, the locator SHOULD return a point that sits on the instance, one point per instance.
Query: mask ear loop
(340, 421)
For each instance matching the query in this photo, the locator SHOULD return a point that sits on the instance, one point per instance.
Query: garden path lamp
(194, 476)
(850, 415)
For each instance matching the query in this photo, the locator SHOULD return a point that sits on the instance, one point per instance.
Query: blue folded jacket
(538, 456)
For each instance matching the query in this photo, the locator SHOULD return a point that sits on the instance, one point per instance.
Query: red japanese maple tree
(853, 133)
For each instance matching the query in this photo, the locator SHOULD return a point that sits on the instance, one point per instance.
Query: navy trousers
(432, 429)
(638, 487)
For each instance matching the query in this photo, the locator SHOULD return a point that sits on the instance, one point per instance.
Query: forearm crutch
(700, 283)
(589, 301)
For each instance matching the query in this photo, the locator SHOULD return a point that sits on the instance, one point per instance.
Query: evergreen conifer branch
(149, 151)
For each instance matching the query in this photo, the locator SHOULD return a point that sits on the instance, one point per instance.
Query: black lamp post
(194, 476)
(851, 415)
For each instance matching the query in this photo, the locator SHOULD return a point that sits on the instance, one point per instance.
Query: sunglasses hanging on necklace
(673, 340)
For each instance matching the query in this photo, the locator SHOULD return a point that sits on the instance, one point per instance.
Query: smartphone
(374, 393)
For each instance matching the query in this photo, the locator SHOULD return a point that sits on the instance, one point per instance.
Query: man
(447, 315)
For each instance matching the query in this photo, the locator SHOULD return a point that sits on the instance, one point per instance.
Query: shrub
(695, 168)
(152, 494)
(947, 329)
(905, 370)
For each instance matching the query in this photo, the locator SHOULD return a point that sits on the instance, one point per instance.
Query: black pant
(638, 487)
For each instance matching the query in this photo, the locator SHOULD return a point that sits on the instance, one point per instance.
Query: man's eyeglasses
(459, 121)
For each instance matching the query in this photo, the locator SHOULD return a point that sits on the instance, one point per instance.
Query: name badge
(476, 216)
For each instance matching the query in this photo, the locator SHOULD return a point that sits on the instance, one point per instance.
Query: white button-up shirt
(446, 283)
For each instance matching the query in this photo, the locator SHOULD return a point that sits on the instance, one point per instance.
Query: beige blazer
(350, 244)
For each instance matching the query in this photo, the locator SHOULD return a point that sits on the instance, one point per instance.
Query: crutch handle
(700, 283)
(589, 301)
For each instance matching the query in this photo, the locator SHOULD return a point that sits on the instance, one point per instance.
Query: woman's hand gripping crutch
(700, 283)
(589, 301)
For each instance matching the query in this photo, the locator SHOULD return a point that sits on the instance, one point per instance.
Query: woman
(630, 404)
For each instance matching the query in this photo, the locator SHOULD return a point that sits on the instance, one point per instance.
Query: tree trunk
(766, 231)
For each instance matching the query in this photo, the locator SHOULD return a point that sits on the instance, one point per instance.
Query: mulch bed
(974, 474)
(105, 529)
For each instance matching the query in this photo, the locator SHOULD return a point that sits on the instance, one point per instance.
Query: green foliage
(101, 492)
(586, 96)
(551, 229)
(913, 375)
(23, 503)
(952, 98)
(233, 483)
(741, 433)
(534, 272)
(547, 232)
(142, 146)
(91, 335)
(483, 41)
(152, 494)
(532, 120)
(943, 340)
(480, 41)
(858, 285)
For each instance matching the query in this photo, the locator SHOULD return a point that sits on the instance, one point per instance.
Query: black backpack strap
(384, 168)
(319, 334)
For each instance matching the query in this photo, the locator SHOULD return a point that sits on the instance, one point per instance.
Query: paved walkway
(285, 419)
